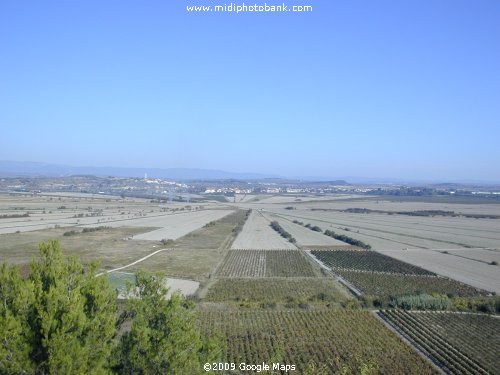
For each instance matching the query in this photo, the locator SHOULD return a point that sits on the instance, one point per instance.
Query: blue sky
(402, 89)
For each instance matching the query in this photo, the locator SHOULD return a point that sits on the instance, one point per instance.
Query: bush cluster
(278, 228)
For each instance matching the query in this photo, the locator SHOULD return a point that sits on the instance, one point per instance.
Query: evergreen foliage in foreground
(62, 319)
(163, 338)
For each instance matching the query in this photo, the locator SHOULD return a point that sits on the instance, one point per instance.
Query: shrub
(278, 228)
(422, 302)
(167, 241)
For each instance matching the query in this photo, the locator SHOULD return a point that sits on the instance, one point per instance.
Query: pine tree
(164, 338)
(59, 320)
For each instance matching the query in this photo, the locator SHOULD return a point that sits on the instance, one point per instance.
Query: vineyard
(265, 263)
(460, 343)
(367, 261)
(385, 285)
(336, 341)
(275, 290)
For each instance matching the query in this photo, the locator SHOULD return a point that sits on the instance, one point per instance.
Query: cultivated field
(397, 232)
(322, 342)
(174, 226)
(304, 236)
(366, 260)
(289, 290)
(397, 204)
(257, 234)
(459, 343)
(388, 285)
(24, 213)
(476, 273)
(265, 263)
(197, 254)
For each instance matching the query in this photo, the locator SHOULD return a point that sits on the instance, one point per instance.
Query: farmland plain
(463, 245)
(476, 273)
(257, 234)
(174, 226)
(28, 212)
(265, 294)
(304, 236)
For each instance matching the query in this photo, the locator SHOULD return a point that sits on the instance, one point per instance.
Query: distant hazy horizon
(36, 169)
(387, 90)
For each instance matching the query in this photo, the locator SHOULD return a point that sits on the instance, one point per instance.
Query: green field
(385, 285)
(265, 263)
(281, 290)
(367, 261)
(322, 342)
(460, 343)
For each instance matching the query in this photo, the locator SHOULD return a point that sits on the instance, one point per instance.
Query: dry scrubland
(257, 234)
(109, 246)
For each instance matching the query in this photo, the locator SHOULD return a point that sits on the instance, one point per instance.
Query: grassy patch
(110, 246)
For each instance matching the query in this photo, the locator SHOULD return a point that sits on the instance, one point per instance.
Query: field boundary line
(406, 339)
(339, 278)
(133, 263)
(140, 217)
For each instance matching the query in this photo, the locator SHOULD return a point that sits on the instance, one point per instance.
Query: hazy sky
(405, 89)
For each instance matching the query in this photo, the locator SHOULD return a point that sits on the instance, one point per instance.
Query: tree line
(278, 228)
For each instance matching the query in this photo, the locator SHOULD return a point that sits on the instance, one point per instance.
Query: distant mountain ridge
(34, 169)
